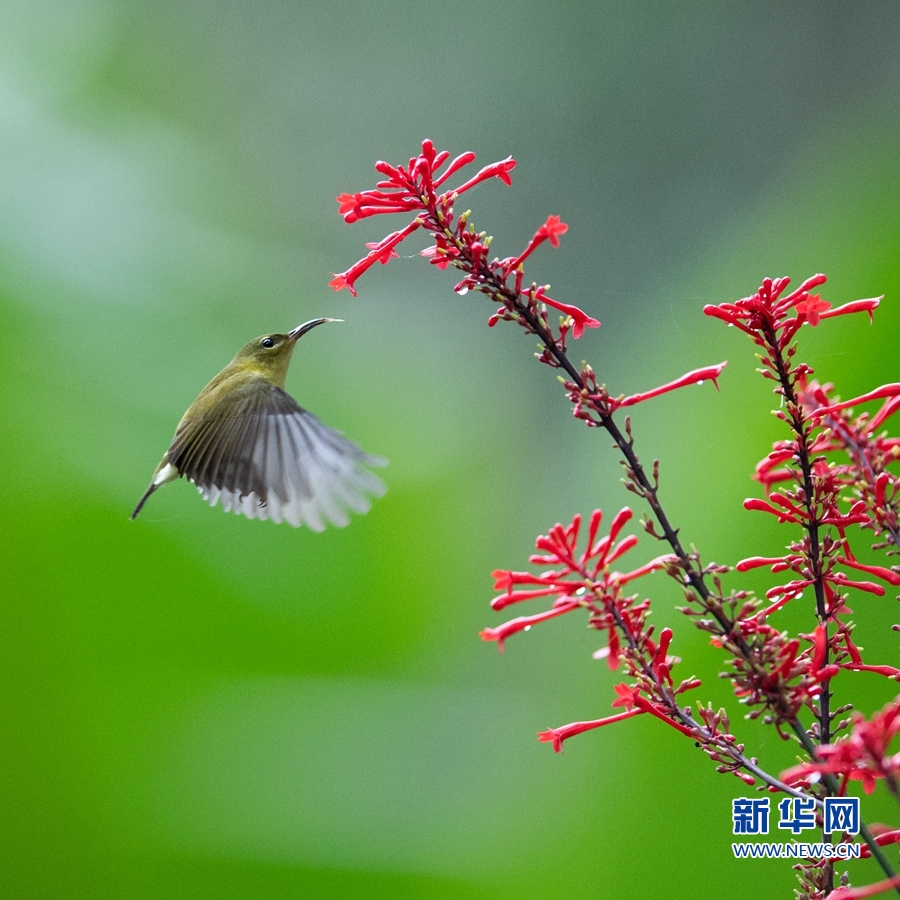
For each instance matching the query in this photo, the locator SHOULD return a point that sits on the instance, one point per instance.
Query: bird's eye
(267, 343)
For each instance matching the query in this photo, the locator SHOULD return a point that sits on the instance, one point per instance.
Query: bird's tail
(143, 500)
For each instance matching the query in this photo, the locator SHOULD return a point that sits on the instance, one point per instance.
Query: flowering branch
(778, 677)
(585, 580)
(414, 189)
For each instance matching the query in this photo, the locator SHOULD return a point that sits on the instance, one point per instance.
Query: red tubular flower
(614, 650)
(557, 736)
(843, 581)
(882, 839)
(659, 658)
(580, 319)
(888, 671)
(381, 252)
(460, 162)
(552, 229)
(499, 170)
(778, 563)
(753, 503)
(523, 623)
(820, 644)
(885, 391)
(656, 710)
(549, 231)
(886, 411)
(626, 695)
(697, 376)
(854, 306)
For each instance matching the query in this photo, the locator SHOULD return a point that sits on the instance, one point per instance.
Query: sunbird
(246, 442)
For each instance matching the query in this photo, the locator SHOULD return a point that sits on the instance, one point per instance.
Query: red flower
(549, 231)
(812, 307)
(697, 376)
(556, 736)
(580, 319)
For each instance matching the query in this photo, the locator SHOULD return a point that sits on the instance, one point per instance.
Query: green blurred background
(199, 706)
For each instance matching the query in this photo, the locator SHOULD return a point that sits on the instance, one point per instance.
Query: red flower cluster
(863, 755)
(585, 580)
(767, 316)
(823, 498)
(410, 189)
(414, 188)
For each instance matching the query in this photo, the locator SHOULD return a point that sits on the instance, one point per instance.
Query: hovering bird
(246, 442)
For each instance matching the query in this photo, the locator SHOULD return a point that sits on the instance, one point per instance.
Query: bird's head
(270, 354)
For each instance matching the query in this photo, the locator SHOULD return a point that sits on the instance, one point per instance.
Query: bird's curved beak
(300, 330)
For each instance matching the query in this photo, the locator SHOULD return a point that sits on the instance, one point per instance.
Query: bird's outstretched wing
(265, 457)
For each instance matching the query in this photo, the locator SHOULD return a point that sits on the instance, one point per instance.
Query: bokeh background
(199, 706)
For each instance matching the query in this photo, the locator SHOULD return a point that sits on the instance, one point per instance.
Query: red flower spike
(584, 579)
